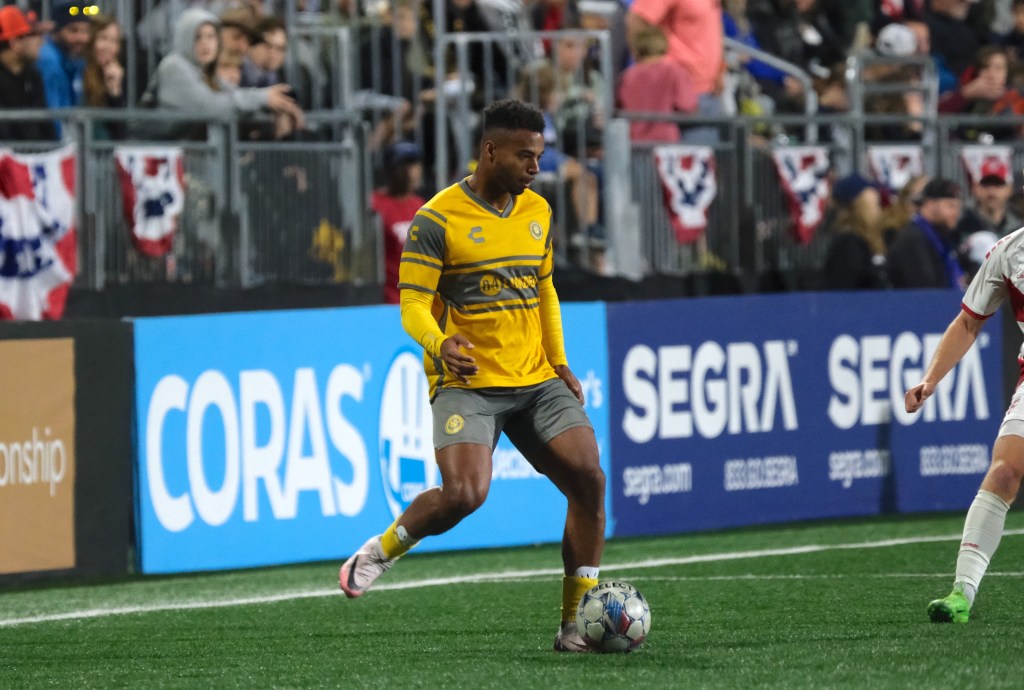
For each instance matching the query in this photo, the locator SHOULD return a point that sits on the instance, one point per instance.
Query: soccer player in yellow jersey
(476, 293)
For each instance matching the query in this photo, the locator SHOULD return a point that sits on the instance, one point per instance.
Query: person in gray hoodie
(185, 78)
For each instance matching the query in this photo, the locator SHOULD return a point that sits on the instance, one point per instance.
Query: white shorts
(1013, 420)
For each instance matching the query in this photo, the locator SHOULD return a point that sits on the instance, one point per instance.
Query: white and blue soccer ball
(613, 617)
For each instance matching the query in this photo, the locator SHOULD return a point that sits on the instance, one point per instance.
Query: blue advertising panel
(738, 410)
(278, 437)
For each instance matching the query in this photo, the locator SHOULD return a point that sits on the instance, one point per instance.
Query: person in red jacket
(395, 204)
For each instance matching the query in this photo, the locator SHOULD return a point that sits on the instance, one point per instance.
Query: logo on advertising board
(797, 418)
(37, 456)
(259, 445)
(406, 446)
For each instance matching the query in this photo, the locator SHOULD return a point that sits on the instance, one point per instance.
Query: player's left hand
(571, 381)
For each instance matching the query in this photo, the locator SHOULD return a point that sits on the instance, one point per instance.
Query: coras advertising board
(280, 437)
(37, 455)
(740, 410)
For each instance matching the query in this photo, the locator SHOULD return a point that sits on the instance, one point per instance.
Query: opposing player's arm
(956, 341)
(418, 275)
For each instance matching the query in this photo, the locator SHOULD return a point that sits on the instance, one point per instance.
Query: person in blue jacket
(61, 59)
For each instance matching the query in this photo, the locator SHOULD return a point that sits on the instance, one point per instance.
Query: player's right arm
(418, 275)
(956, 341)
(986, 292)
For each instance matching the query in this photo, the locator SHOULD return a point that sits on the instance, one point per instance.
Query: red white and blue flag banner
(987, 161)
(894, 166)
(803, 174)
(38, 240)
(153, 194)
(688, 184)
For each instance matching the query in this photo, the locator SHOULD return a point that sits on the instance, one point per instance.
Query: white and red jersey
(1001, 276)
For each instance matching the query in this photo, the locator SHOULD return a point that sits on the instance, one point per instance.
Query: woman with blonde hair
(898, 213)
(856, 253)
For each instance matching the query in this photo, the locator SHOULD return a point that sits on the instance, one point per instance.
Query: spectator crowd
(260, 61)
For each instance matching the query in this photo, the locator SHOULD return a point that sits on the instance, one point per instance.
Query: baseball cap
(896, 40)
(938, 188)
(848, 188)
(67, 12)
(993, 172)
(403, 152)
(14, 23)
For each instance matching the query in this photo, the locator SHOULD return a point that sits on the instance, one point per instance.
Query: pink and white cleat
(569, 639)
(362, 568)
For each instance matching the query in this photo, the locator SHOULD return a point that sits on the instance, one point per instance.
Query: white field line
(487, 577)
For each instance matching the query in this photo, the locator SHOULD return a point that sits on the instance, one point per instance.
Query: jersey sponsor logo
(490, 285)
(473, 235)
(536, 231)
(454, 424)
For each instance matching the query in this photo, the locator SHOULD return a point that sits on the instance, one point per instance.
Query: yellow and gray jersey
(484, 268)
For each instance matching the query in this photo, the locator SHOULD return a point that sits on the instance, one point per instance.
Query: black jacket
(21, 91)
(850, 264)
(914, 262)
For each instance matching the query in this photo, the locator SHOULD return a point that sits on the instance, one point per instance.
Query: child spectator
(582, 87)
(655, 83)
(985, 89)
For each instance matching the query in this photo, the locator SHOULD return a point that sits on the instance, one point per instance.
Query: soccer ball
(613, 617)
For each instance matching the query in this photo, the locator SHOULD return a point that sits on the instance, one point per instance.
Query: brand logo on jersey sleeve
(536, 231)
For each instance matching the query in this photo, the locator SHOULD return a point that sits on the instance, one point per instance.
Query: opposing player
(1000, 276)
(476, 293)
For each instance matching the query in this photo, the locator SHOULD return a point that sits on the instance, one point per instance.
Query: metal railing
(296, 212)
(810, 96)
(292, 212)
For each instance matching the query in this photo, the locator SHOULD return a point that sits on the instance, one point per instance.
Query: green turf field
(828, 605)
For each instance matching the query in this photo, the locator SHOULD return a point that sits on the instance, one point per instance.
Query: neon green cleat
(952, 608)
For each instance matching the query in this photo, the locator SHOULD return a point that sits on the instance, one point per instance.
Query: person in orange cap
(21, 84)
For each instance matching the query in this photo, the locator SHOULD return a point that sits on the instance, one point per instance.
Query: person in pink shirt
(694, 32)
(655, 83)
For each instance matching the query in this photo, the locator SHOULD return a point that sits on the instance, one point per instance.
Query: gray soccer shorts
(530, 416)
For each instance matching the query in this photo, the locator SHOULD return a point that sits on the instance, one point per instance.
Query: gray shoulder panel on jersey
(426, 235)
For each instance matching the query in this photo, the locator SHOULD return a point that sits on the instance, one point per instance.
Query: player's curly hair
(511, 114)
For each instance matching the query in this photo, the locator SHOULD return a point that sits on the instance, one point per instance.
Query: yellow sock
(396, 542)
(573, 589)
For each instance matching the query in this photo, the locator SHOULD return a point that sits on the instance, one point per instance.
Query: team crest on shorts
(454, 424)
(536, 231)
